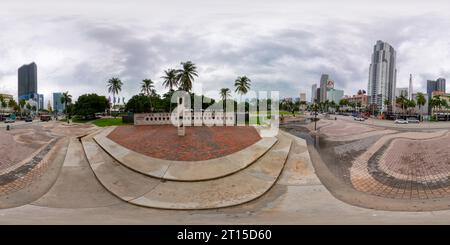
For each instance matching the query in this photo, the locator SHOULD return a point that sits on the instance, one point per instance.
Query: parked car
(28, 119)
(9, 120)
(413, 120)
(46, 118)
(401, 121)
(361, 119)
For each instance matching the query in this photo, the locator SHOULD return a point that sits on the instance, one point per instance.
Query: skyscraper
(323, 87)
(433, 86)
(41, 102)
(313, 93)
(58, 107)
(335, 95)
(440, 84)
(382, 76)
(27, 82)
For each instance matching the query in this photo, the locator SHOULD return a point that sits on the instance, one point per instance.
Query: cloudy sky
(280, 45)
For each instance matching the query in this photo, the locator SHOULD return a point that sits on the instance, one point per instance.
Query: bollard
(7, 127)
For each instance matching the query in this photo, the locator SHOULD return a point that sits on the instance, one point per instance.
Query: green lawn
(104, 122)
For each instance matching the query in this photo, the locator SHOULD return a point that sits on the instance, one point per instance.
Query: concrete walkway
(76, 186)
(297, 198)
(243, 186)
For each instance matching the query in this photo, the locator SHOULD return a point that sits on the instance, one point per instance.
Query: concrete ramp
(76, 186)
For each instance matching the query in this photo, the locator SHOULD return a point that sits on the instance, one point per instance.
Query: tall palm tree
(22, 104)
(185, 76)
(225, 93)
(114, 86)
(421, 101)
(66, 99)
(13, 104)
(147, 86)
(242, 85)
(170, 79)
(402, 101)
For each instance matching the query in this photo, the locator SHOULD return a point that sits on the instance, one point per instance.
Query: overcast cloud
(280, 45)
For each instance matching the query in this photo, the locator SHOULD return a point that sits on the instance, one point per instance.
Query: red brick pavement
(200, 143)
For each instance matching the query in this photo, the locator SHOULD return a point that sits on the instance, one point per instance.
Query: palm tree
(66, 99)
(114, 86)
(421, 102)
(22, 104)
(436, 102)
(410, 104)
(401, 101)
(13, 105)
(242, 85)
(225, 93)
(170, 79)
(185, 76)
(148, 89)
(147, 86)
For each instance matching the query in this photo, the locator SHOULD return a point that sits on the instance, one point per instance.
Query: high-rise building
(437, 85)
(382, 76)
(41, 102)
(302, 97)
(313, 93)
(335, 95)
(323, 87)
(440, 84)
(58, 107)
(317, 95)
(27, 82)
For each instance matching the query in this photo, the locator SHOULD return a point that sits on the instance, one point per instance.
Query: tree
(66, 99)
(225, 93)
(343, 102)
(242, 85)
(402, 102)
(170, 79)
(421, 101)
(185, 76)
(2, 103)
(22, 104)
(114, 86)
(89, 104)
(438, 102)
(13, 104)
(410, 104)
(139, 104)
(147, 87)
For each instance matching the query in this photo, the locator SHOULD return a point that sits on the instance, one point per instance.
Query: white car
(413, 120)
(361, 119)
(401, 121)
(9, 120)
